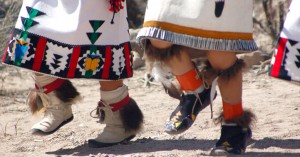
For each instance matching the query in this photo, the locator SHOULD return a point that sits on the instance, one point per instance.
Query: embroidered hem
(197, 42)
(50, 57)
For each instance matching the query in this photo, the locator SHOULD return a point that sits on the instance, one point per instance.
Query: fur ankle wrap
(67, 93)
(232, 70)
(132, 117)
(247, 120)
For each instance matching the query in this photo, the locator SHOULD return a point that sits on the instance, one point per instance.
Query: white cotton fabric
(67, 21)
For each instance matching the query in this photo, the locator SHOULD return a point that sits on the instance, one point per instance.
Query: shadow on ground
(150, 145)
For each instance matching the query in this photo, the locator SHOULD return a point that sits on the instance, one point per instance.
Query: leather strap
(52, 86)
(116, 106)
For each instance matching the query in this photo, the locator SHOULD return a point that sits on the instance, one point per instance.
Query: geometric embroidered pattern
(115, 61)
(69, 41)
(20, 43)
(93, 59)
(286, 60)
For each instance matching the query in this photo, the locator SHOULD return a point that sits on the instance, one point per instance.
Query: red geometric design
(73, 62)
(279, 57)
(127, 59)
(107, 63)
(4, 55)
(6, 49)
(39, 54)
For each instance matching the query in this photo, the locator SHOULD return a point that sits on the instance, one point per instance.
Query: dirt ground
(275, 102)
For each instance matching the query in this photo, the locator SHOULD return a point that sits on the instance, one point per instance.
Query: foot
(185, 114)
(54, 97)
(37, 130)
(114, 132)
(93, 143)
(122, 123)
(54, 118)
(233, 140)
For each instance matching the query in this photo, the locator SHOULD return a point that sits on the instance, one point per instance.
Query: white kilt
(71, 39)
(202, 24)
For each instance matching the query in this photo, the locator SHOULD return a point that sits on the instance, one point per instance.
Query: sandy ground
(275, 102)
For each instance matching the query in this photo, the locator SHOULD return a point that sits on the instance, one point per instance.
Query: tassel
(115, 6)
